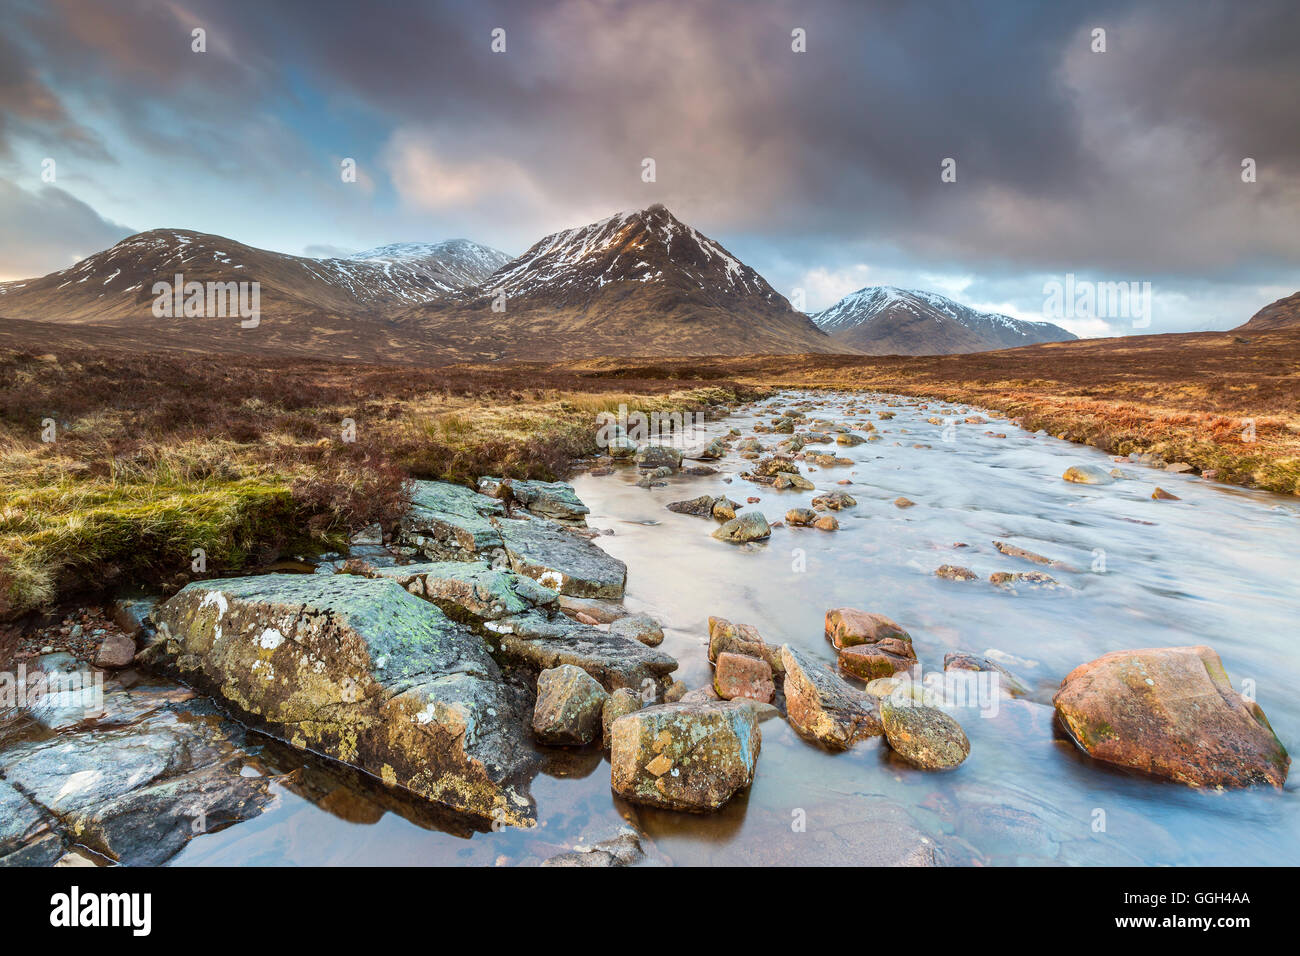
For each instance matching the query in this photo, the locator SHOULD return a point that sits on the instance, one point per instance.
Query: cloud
(48, 230)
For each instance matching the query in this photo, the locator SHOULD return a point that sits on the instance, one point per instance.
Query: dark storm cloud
(1067, 160)
(48, 229)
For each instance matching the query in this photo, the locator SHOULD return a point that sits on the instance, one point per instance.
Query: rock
(1179, 467)
(955, 572)
(1008, 681)
(569, 706)
(1172, 712)
(750, 526)
(800, 517)
(361, 671)
(448, 522)
(791, 480)
(738, 675)
(620, 703)
(622, 850)
(849, 438)
(539, 642)
(923, 736)
(701, 507)
(904, 502)
(1161, 495)
(834, 501)
(1088, 475)
(826, 523)
(470, 589)
(1012, 551)
(135, 790)
(115, 651)
(1035, 579)
(373, 535)
(675, 692)
(658, 456)
(709, 451)
(639, 627)
(884, 658)
(846, 627)
(555, 500)
(602, 612)
(724, 509)
(561, 560)
(741, 639)
(824, 708)
(131, 614)
(682, 756)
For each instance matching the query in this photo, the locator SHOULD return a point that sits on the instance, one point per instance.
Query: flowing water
(1217, 567)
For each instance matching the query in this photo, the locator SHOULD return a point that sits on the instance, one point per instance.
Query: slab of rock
(569, 706)
(884, 658)
(470, 589)
(602, 612)
(561, 560)
(622, 850)
(737, 675)
(136, 789)
(682, 756)
(555, 500)
(361, 671)
(639, 627)
(701, 507)
(1172, 712)
(792, 480)
(923, 736)
(539, 642)
(1088, 475)
(822, 707)
(750, 526)
(449, 522)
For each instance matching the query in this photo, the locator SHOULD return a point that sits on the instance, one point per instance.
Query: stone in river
(792, 480)
(622, 850)
(1008, 682)
(826, 523)
(847, 626)
(724, 509)
(750, 526)
(1088, 475)
(822, 707)
(470, 589)
(800, 517)
(884, 658)
(1172, 712)
(921, 735)
(701, 507)
(682, 756)
(1161, 495)
(561, 560)
(904, 502)
(116, 651)
(741, 639)
(639, 627)
(569, 706)
(620, 703)
(955, 572)
(361, 671)
(834, 501)
(709, 451)
(651, 457)
(738, 675)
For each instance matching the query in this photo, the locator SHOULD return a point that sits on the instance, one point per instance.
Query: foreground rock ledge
(359, 670)
(1171, 711)
(684, 756)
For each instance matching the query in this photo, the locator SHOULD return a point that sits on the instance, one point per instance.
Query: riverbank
(121, 468)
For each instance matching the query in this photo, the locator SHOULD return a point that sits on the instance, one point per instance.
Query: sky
(1076, 157)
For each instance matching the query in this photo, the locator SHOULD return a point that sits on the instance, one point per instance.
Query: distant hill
(1282, 314)
(883, 320)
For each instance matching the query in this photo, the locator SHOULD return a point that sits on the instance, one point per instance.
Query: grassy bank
(118, 467)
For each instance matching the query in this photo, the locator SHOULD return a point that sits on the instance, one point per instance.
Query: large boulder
(449, 522)
(922, 735)
(1171, 711)
(555, 500)
(684, 756)
(651, 457)
(569, 706)
(870, 645)
(824, 708)
(561, 560)
(362, 671)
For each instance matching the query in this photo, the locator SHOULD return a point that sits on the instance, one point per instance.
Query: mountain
(117, 284)
(883, 320)
(1282, 314)
(637, 283)
(456, 262)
